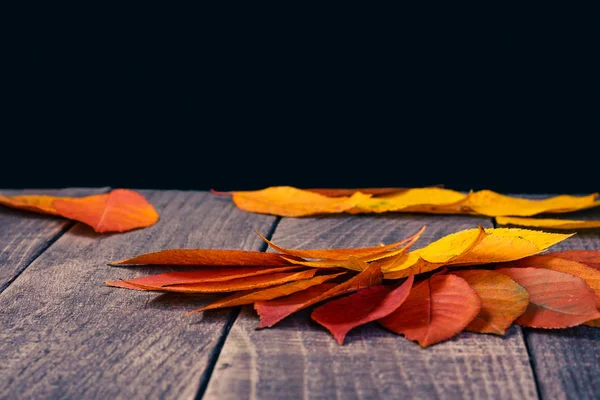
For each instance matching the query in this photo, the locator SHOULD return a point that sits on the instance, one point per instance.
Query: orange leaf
(502, 300)
(205, 275)
(206, 258)
(367, 305)
(36, 203)
(472, 246)
(435, 310)
(118, 211)
(287, 201)
(271, 293)
(273, 311)
(342, 253)
(252, 282)
(556, 299)
(591, 258)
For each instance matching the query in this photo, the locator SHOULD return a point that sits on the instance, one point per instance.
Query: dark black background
(193, 100)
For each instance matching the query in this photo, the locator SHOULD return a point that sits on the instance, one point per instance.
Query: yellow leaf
(476, 246)
(287, 201)
(548, 223)
(414, 200)
(494, 204)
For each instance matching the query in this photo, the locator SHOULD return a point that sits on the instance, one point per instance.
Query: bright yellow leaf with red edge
(549, 223)
(287, 201)
(476, 246)
(36, 203)
(487, 202)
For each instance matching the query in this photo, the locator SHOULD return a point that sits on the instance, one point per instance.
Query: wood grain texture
(64, 334)
(24, 235)
(299, 359)
(567, 361)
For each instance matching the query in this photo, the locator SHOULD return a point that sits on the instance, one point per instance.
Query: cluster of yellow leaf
(288, 201)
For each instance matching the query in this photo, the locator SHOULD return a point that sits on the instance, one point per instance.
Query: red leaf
(591, 258)
(556, 299)
(205, 275)
(435, 310)
(273, 311)
(252, 296)
(367, 305)
(206, 258)
(502, 300)
(118, 211)
(233, 285)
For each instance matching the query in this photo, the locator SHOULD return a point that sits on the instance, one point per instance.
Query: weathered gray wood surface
(64, 334)
(24, 235)
(567, 361)
(299, 359)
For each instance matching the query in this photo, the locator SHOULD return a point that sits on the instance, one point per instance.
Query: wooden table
(64, 334)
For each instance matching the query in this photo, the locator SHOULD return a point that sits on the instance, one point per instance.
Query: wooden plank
(25, 235)
(299, 359)
(567, 361)
(64, 334)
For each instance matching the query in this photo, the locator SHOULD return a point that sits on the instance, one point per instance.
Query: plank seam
(216, 352)
(68, 225)
(526, 343)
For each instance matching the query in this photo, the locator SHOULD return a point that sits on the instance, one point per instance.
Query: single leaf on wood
(206, 275)
(570, 224)
(435, 310)
(234, 285)
(590, 275)
(344, 314)
(249, 297)
(273, 311)
(487, 202)
(502, 300)
(342, 253)
(118, 211)
(287, 201)
(591, 258)
(556, 299)
(36, 203)
(206, 258)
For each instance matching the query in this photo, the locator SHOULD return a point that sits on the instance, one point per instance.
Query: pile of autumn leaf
(287, 201)
(479, 280)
